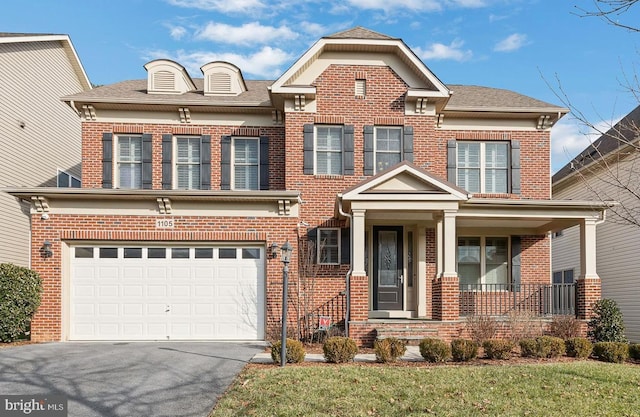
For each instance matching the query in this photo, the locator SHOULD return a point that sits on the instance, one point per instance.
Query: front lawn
(579, 388)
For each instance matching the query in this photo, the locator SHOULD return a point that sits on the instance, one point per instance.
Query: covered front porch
(425, 251)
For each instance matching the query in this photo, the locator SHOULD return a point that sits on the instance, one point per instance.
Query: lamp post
(286, 250)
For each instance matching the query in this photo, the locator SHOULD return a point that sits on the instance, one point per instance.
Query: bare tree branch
(610, 11)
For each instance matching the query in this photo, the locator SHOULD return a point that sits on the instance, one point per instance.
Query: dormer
(167, 77)
(222, 79)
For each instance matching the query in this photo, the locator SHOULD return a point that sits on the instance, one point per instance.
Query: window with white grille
(246, 164)
(129, 162)
(188, 163)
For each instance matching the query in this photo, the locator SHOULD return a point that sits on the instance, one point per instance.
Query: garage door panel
(141, 298)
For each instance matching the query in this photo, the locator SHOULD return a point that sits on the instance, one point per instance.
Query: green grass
(581, 388)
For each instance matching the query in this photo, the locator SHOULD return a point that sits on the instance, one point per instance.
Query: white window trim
(375, 144)
(116, 159)
(319, 245)
(483, 260)
(174, 160)
(315, 148)
(233, 162)
(71, 176)
(483, 167)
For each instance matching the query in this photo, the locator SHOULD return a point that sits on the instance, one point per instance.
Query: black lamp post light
(285, 253)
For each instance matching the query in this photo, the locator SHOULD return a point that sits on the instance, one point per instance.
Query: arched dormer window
(167, 77)
(222, 79)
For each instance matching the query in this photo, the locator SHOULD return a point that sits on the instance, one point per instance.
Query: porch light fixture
(286, 250)
(274, 250)
(45, 250)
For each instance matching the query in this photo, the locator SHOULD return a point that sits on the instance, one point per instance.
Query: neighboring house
(40, 136)
(602, 172)
(420, 202)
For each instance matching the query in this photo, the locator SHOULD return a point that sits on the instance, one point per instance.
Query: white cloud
(177, 32)
(265, 63)
(247, 34)
(439, 51)
(511, 43)
(386, 5)
(225, 6)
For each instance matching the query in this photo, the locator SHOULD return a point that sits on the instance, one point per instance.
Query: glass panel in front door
(387, 259)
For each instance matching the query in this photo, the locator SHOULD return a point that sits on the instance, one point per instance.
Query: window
(246, 164)
(483, 167)
(108, 253)
(388, 147)
(563, 277)
(179, 253)
(84, 252)
(133, 253)
(329, 246)
(156, 253)
(204, 253)
(129, 162)
(188, 163)
(66, 180)
(483, 260)
(227, 253)
(329, 150)
(559, 233)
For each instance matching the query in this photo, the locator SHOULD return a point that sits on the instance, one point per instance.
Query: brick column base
(588, 291)
(446, 298)
(359, 293)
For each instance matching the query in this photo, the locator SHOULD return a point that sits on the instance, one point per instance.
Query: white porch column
(439, 245)
(358, 242)
(449, 244)
(422, 271)
(588, 249)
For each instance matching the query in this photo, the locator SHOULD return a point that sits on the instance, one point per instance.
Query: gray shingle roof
(358, 32)
(473, 96)
(22, 35)
(625, 131)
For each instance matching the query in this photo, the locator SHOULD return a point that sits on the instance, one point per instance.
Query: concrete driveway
(126, 379)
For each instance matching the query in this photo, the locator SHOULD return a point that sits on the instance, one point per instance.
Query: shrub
(435, 350)
(295, 351)
(634, 351)
(339, 349)
(497, 348)
(607, 324)
(616, 352)
(523, 324)
(550, 347)
(528, 347)
(20, 290)
(463, 350)
(565, 327)
(389, 350)
(481, 328)
(578, 347)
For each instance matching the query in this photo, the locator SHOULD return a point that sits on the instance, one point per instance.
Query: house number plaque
(164, 223)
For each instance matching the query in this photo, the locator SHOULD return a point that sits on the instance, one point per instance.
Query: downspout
(347, 277)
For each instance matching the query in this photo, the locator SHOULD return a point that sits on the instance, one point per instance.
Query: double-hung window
(388, 142)
(483, 261)
(329, 246)
(483, 167)
(329, 150)
(66, 180)
(129, 162)
(246, 164)
(188, 163)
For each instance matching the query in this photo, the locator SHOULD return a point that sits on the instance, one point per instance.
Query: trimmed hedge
(634, 351)
(616, 352)
(578, 347)
(20, 290)
(463, 350)
(497, 348)
(389, 350)
(339, 349)
(435, 350)
(295, 351)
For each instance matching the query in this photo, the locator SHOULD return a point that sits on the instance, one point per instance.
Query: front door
(387, 267)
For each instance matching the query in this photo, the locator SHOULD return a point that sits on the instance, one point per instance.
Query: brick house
(409, 203)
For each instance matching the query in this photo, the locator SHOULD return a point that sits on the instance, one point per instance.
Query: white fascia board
(294, 89)
(414, 93)
(533, 110)
(401, 197)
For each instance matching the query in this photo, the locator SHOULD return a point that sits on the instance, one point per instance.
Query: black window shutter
(308, 149)
(515, 166)
(516, 249)
(347, 156)
(264, 162)
(107, 160)
(225, 163)
(407, 144)
(368, 150)
(312, 238)
(147, 163)
(205, 162)
(451, 161)
(345, 246)
(167, 166)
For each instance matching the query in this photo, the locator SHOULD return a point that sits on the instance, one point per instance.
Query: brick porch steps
(410, 332)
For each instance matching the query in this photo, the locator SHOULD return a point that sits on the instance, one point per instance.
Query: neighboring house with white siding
(40, 136)
(593, 175)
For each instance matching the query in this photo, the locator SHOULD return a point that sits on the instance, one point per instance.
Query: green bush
(389, 350)
(435, 350)
(20, 290)
(634, 351)
(607, 324)
(565, 327)
(338, 349)
(463, 350)
(616, 352)
(295, 351)
(542, 347)
(578, 347)
(528, 347)
(497, 348)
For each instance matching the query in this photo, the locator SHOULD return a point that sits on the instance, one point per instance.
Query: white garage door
(166, 293)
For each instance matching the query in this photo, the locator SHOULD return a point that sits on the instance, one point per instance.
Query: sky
(545, 49)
